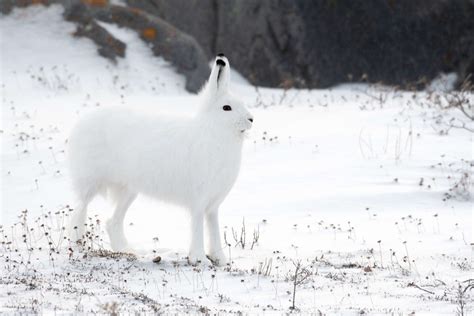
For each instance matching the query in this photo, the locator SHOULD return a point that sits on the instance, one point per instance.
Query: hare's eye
(227, 108)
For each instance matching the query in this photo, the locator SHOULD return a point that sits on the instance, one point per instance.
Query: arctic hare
(192, 162)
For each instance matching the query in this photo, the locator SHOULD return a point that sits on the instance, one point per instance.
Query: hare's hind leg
(77, 223)
(124, 199)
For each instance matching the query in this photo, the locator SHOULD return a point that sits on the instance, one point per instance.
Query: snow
(350, 180)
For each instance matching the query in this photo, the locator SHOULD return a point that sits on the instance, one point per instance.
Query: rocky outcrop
(180, 49)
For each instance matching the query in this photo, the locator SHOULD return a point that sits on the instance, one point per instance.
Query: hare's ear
(220, 75)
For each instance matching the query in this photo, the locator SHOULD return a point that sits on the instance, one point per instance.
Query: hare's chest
(223, 170)
(228, 169)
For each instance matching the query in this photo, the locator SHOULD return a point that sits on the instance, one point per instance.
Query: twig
(412, 284)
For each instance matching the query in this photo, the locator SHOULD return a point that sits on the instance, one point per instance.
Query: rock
(180, 49)
(195, 17)
(108, 46)
(6, 6)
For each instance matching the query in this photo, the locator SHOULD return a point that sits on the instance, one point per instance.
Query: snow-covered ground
(349, 183)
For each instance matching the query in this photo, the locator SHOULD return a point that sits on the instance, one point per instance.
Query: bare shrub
(301, 275)
(461, 100)
(240, 236)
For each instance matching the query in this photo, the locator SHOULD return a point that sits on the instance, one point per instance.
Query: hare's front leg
(216, 254)
(114, 226)
(196, 250)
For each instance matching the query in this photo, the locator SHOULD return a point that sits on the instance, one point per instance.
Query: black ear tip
(220, 55)
(220, 62)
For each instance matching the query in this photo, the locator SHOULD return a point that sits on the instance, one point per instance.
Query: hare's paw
(218, 258)
(196, 259)
(118, 242)
(120, 245)
(132, 249)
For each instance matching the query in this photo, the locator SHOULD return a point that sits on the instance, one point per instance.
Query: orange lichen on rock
(39, 1)
(136, 11)
(149, 33)
(97, 3)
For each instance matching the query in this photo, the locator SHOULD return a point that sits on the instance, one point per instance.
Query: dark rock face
(251, 33)
(321, 43)
(395, 42)
(464, 55)
(264, 40)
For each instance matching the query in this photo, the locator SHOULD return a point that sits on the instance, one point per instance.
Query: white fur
(189, 161)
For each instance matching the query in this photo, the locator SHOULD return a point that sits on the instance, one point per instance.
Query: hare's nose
(251, 120)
